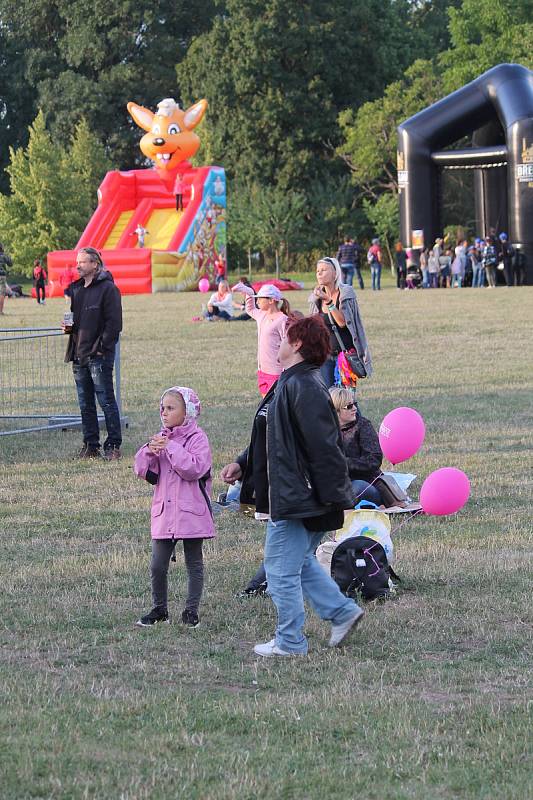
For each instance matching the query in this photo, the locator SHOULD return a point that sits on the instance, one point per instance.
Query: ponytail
(285, 307)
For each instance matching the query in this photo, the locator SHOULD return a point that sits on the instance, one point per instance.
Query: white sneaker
(340, 632)
(271, 649)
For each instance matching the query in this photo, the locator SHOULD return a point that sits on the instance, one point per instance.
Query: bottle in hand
(68, 321)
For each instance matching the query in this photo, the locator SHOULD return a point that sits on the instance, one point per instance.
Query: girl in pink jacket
(178, 462)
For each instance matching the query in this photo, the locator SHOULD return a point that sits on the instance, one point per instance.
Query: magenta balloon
(203, 285)
(401, 434)
(444, 491)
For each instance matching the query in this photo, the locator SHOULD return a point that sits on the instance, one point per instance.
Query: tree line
(304, 99)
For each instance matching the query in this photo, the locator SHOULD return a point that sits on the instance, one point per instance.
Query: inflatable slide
(146, 243)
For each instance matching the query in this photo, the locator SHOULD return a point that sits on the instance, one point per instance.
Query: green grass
(431, 699)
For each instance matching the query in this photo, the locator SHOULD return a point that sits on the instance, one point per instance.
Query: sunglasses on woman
(348, 407)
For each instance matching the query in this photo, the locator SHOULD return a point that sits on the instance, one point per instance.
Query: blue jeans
(327, 371)
(364, 491)
(95, 380)
(478, 279)
(375, 269)
(347, 273)
(217, 312)
(293, 573)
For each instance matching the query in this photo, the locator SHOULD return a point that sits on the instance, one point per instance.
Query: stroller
(414, 277)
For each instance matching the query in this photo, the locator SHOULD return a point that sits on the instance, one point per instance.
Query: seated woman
(361, 446)
(220, 303)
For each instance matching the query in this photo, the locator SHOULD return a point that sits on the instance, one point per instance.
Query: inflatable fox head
(169, 139)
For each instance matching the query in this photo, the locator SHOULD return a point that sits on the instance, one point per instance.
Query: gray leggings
(161, 553)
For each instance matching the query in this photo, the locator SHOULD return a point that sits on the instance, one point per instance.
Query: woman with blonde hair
(336, 303)
(360, 443)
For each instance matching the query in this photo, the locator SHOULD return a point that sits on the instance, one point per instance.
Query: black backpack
(359, 564)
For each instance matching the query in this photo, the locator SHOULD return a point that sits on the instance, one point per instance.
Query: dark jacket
(363, 452)
(307, 470)
(97, 311)
(347, 253)
(253, 461)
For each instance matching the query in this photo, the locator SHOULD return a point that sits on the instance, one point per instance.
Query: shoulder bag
(352, 357)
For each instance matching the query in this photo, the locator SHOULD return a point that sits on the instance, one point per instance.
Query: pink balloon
(203, 285)
(444, 491)
(401, 434)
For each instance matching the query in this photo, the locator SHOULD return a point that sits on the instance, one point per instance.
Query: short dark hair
(314, 336)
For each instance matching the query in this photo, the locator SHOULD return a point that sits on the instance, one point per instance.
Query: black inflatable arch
(498, 108)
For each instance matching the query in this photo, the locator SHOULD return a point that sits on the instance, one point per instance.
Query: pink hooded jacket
(179, 508)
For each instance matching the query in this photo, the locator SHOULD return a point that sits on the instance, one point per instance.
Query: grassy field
(432, 697)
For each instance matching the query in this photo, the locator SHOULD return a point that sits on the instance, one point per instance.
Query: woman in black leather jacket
(309, 488)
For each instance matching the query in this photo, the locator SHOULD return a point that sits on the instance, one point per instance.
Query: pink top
(179, 186)
(179, 508)
(270, 330)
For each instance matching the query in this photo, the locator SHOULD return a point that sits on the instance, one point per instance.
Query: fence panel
(37, 389)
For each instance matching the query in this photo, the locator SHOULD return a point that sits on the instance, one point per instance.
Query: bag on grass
(359, 565)
(391, 492)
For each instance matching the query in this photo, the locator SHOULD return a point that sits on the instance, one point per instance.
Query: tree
(277, 73)
(485, 33)
(383, 215)
(53, 192)
(267, 219)
(370, 135)
(87, 58)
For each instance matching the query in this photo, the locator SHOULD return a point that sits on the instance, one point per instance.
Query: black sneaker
(156, 615)
(253, 592)
(190, 618)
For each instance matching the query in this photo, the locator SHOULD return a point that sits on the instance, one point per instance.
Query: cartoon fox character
(169, 139)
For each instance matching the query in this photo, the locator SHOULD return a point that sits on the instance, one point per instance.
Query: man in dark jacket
(309, 488)
(97, 310)
(349, 258)
(5, 262)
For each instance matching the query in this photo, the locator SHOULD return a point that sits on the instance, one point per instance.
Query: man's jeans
(375, 269)
(293, 573)
(347, 271)
(95, 380)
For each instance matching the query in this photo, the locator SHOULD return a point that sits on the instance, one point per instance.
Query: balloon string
(397, 528)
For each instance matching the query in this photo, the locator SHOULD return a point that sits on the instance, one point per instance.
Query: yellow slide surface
(161, 226)
(118, 230)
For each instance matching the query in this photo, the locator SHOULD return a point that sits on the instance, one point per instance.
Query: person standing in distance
(97, 321)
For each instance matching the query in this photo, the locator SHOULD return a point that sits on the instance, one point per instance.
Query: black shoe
(255, 591)
(222, 498)
(156, 615)
(190, 618)
(89, 451)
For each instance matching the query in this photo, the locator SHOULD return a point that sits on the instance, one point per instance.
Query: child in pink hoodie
(177, 460)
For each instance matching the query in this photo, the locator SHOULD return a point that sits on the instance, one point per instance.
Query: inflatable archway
(497, 108)
(162, 228)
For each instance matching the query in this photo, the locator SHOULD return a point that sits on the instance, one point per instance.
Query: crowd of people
(311, 455)
(469, 264)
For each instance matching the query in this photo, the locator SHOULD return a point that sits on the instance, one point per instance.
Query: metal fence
(37, 389)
